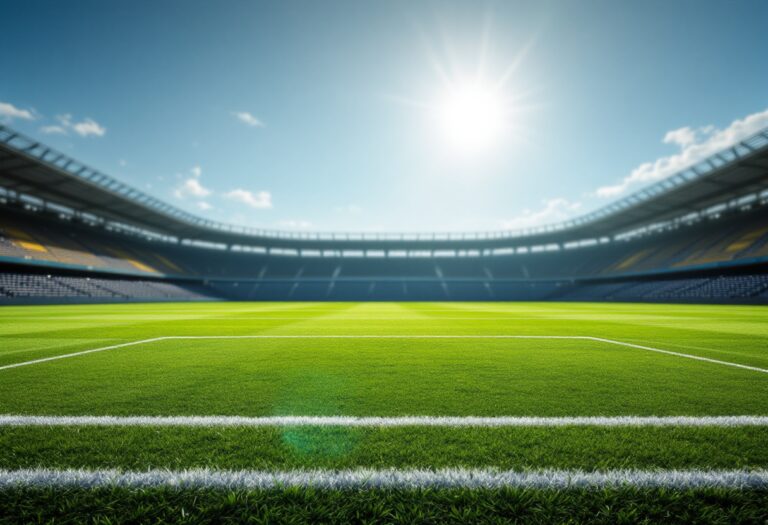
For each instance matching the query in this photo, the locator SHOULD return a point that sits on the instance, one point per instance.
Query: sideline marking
(680, 354)
(74, 354)
(10, 420)
(388, 336)
(380, 479)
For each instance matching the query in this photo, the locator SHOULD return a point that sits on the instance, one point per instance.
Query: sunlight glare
(472, 117)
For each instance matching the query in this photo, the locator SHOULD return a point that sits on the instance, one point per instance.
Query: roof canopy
(28, 167)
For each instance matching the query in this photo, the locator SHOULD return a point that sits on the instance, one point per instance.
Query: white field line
(84, 352)
(384, 479)
(388, 336)
(396, 421)
(341, 319)
(680, 354)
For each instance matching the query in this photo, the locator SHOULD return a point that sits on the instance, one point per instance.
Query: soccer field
(282, 408)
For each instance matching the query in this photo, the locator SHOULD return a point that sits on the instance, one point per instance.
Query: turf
(483, 377)
(621, 506)
(392, 376)
(341, 448)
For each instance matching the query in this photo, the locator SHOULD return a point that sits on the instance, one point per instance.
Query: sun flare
(472, 116)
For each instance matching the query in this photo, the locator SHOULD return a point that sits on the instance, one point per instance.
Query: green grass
(342, 448)
(381, 377)
(620, 506)
(364, 377)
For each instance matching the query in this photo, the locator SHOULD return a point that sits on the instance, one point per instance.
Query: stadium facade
(69, 233)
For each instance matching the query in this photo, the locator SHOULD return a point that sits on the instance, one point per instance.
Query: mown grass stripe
(384, 479)
(391, 336)
(374, 421)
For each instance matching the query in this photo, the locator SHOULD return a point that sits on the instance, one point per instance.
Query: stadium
(73, 234)
(159, 364)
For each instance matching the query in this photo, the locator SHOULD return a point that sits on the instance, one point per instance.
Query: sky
(385, 116)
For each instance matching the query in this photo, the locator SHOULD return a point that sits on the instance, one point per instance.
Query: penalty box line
(363, 478)
(388, 336)
(11, 420)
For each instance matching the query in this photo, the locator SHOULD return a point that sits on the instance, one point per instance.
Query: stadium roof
(30, 168)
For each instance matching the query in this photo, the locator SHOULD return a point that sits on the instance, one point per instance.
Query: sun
(476, 107)
(472, 116)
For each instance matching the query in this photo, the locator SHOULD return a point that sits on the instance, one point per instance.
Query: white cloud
(122, 162)
(683, 137)
(53, 130)
(204, 206)
(260, 200)
(553, 210)
(10, 112)
(89, 127)
(249, 119)
(191, 188)
(84, 128)
(695, 146)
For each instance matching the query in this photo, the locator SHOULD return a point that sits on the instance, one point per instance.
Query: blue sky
(328, 115)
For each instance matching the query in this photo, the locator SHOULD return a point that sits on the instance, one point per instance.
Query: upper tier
(739, 238)
(31, 172)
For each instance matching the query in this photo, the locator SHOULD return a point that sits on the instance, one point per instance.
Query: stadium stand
(20, 287)
(699, 236)
(722, 288)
